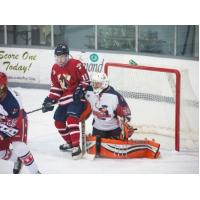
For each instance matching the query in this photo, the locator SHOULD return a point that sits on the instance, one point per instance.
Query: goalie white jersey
(106, 107)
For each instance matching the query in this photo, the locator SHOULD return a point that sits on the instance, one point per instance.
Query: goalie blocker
(123, 149)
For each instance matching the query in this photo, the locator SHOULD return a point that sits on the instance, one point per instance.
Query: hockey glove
(48, 104)
(78, 94)
(127, 127)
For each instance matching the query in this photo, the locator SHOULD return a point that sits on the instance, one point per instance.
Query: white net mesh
(151, 97)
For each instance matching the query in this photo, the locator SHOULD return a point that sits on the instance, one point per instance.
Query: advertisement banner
(26, 65)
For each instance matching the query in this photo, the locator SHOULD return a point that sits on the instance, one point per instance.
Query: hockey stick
(83, 137)
(84, 146)
(34, 111)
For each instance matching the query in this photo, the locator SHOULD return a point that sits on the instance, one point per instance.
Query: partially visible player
(13, 130)
(69, 82)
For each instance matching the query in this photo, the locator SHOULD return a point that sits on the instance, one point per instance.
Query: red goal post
(177, 74)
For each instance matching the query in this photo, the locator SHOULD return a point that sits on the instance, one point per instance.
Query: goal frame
(177, 86)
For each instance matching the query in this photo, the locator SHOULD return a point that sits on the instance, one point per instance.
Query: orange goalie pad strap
(111, 148)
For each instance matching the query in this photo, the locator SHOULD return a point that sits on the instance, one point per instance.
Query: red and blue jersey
(11, 114)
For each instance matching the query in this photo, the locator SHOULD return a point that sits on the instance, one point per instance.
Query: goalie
(111, 124)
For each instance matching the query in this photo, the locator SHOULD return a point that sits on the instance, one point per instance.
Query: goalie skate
(17, 167)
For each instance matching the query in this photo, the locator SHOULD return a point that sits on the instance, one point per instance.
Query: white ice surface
(44, 142)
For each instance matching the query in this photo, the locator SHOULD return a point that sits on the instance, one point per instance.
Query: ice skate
(65, 147)
(76, 153)
(17, 167)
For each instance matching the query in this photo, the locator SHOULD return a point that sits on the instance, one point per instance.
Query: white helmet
(99, 82)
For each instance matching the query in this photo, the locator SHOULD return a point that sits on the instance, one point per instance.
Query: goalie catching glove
(127, 128)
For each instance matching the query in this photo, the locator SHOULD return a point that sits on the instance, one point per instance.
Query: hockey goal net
(162, 103)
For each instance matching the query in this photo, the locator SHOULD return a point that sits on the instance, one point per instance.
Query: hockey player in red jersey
(13, 130)
(69, 81)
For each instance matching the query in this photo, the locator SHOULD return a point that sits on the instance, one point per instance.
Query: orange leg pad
(124, 149)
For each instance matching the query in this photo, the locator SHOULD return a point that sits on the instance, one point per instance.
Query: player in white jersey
(109, 108)
(13, 130)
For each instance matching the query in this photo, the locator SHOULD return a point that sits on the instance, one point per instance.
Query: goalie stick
(84, 145)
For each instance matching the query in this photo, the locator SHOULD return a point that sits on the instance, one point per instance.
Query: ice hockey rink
(44, 142)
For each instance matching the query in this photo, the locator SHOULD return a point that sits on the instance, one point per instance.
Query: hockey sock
(63, 130)
(73, 126)
(24, 154)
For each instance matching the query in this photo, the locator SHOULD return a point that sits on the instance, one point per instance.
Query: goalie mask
(3, 84)
(61, 54)
(99, 82)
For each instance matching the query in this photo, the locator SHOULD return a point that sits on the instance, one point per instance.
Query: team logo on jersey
(64, 80)
(102, 112)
